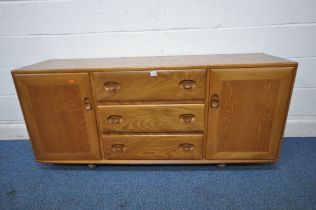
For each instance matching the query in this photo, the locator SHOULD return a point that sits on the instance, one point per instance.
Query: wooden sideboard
(172, 109)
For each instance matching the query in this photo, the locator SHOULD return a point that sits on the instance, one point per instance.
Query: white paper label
(153, 73)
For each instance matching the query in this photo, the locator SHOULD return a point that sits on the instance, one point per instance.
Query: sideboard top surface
(158, 62)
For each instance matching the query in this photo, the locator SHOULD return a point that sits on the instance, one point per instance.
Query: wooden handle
(112, 86)
(187, 118)
(214, 101)
(86, 104)
(186, 147)
(118, 148)
(187, 84)
(114, 119)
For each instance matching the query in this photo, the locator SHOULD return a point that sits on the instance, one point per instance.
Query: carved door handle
(87, 104)
(214, 101)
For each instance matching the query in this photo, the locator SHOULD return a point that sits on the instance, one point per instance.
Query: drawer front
(152, 147)
(150, 85)
(151, 118)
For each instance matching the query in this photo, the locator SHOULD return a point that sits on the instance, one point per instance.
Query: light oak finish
(247, 112)
(206, 107)
(158, 62)
(152, 147)
(60, 115)
(151, 118)
(157, 110)
(150, 85)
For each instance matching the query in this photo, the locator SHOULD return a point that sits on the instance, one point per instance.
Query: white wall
(34, 30)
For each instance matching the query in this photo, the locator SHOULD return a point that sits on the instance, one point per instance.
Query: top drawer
(150, 85)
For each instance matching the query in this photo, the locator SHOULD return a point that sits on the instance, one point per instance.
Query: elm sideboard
(147, 110)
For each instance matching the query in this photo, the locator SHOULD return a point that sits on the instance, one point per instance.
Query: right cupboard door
(247, 112)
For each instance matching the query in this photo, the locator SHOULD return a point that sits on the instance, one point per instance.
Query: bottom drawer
(152, 147)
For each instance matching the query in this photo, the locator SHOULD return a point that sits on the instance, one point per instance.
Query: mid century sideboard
(171, 109)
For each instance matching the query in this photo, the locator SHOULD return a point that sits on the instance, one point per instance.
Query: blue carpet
(288, 184)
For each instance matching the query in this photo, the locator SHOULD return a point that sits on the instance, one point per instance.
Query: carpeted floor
(288, 184)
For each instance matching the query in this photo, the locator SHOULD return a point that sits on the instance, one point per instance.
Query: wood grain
(206, 111)
(151, 118)
(249, 121)
(158, 62)
(235, 111)
(58, 125)
(150, 85)
(152, 147)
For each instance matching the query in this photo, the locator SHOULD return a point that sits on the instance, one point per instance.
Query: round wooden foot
(221, 165)
(92, 166)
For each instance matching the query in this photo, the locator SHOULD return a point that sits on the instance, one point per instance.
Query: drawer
(152, 147)
(151, 118)
(150, 85)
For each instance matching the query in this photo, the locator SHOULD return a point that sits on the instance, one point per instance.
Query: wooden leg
(221, 165)
(92, 166)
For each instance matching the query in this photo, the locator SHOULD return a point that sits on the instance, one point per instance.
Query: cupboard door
(59, 112)
(248, 109)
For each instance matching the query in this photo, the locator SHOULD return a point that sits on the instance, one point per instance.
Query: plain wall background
(33, 31)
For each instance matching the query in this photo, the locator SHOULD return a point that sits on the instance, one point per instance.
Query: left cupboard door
(59, 114)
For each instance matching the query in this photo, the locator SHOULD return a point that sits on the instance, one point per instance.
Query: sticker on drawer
(153, 73)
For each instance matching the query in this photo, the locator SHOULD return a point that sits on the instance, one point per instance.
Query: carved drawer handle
(187, 118)
(118, 148)
(87, 104)
(114, 119)
(186, 147)
(187, 84)
(112, 86)
(214, 101)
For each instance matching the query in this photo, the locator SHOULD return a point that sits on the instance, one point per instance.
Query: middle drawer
(151, 118)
